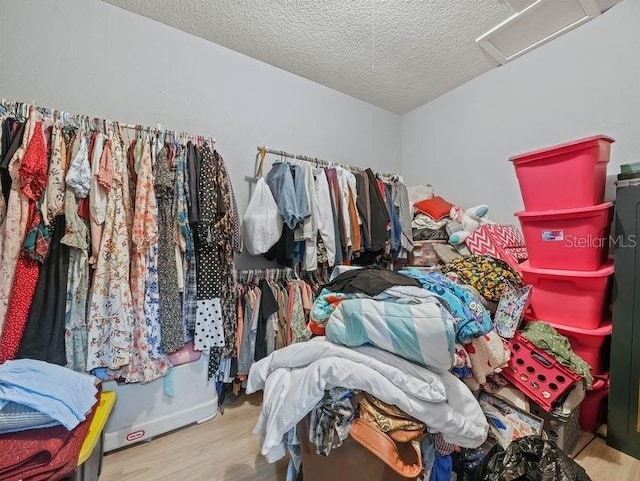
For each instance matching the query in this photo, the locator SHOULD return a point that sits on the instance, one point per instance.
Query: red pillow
(437, 208)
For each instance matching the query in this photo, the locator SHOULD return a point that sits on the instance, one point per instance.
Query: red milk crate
(537, 374)
(502, 241)
(592, 345)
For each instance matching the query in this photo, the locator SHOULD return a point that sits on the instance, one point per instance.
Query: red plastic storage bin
(572, 298)
(565, 176)
(572, 239)
(592, 345)
(593, 409)
(536, 373)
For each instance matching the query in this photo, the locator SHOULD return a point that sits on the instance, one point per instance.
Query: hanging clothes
(142, 367)
(273, 313)
(78, 280)
(326, 226)
(224, 229)
(295, 314)
(44, 334)
(101, 180)
(125, 207)
(12, 136)
(33, 179)
(311, 225)
(54, 195)
(379, 214)
(268, 309)
(401, 200)
(173, 329)
(190, 294)
(209, 330)
(14, 227)
(336, 209)
(58, 311)
(110, 322)
(363, 204)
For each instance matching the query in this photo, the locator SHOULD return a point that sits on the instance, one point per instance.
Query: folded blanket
(17, 417)
(327, 300)
(61, 393)
(422, 333)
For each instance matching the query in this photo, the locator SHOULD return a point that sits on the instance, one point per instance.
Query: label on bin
(552, 235)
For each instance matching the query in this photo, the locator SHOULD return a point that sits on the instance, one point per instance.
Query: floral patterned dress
(143, 367)
(56, 185)
(111, 316)
(77, 238)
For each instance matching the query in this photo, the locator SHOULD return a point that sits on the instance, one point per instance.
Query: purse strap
(385, 448)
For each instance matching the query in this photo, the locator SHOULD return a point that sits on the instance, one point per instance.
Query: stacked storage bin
(566, 226)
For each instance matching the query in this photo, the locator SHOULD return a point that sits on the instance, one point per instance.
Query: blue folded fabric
(64, 395)
(16, 417)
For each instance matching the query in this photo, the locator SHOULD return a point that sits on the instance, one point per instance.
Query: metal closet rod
(317, 161)
(78, 120)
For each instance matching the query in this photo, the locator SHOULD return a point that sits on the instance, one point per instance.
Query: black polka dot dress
(209, 331)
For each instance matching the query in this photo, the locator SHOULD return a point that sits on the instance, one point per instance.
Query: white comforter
(294, 380)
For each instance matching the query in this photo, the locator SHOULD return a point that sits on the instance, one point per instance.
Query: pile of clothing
(393, 336)
(406, 351)
(45, 413)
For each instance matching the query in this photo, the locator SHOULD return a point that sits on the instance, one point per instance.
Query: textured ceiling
(397, 54)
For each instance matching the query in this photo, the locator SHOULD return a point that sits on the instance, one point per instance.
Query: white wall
(583, 83)
(89, 57)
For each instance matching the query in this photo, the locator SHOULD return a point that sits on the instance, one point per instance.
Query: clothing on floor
(545, 337)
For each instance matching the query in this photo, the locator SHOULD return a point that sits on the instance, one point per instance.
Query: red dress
(33, 173)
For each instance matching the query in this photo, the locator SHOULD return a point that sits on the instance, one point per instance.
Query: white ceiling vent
(538, 23)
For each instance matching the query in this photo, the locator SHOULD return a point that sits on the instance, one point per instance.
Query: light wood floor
(225, 450)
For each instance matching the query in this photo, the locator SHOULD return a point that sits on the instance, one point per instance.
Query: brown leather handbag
(367, 454)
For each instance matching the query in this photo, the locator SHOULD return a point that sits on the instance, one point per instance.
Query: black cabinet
(624, 410)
